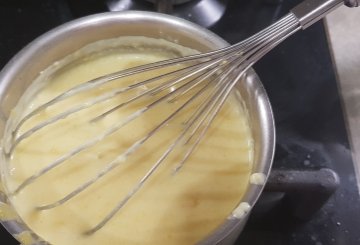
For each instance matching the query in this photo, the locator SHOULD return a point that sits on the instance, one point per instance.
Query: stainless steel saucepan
(62, 41)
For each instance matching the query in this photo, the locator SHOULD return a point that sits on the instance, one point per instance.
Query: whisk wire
(130, 150)
(86, 145)
(210, 103)
(249, 43)
(161, 64)
(138, 186)
(191, 73)
(91, 143)
(210, 116)
(211, 109)
(211, 76)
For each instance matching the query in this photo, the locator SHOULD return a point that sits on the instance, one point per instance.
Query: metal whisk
(216, 72)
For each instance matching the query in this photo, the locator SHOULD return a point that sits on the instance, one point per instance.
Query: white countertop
(344, 34)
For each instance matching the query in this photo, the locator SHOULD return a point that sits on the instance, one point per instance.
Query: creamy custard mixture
(171, 208)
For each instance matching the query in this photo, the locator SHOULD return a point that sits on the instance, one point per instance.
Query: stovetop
(301, 84)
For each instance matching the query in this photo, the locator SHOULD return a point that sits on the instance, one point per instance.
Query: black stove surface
(301, 84)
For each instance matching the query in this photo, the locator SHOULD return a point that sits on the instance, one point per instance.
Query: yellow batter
(169, 209)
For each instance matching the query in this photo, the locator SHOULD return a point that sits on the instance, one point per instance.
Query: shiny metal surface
(170, 1)
(203, 12)
(54, 45)
(310, 11)
(229, 65)
(234, 59)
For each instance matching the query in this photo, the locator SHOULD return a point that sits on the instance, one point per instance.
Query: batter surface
(170, 208)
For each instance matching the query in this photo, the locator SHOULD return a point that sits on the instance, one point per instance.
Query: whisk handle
(310, 11)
